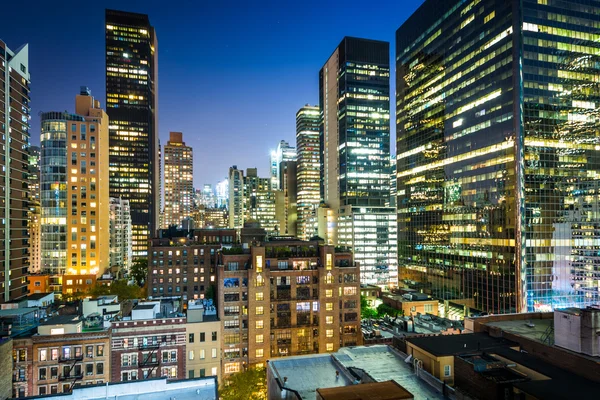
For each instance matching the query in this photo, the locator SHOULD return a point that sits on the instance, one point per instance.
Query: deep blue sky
(232, 74)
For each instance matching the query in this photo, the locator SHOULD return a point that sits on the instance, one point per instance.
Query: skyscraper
(179, 180)
(355, 155)
(74, 195)
(132, 106)
(308, 167)
(120, 234)
(497, 142)
(34, 214)
(284, 152)
(14, 122)
(236, 198)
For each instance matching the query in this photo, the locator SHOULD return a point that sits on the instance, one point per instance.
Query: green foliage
(120, 288)
(232, 251)
(250, 384)
(139, 271)
(384, 309)
(365, 310)
(210, 292)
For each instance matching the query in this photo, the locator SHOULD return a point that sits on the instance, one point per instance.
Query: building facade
(132, 106)
(179, 180)
(497, 123)
(34, 222)
(15, 125)
(286, 297)
(75, 203)
(284, 152)
(204, 347)
(308, 167)
(148, 348)
(120, 234)
(354, 99)
(288, 172)
(236, 198)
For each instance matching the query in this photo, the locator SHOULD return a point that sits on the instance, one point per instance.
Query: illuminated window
(259, 353)
(260, 324)
(328, 306)
(329, 319)
(260, 296)
(329, 333)
(329, 346)
(259, 264)
(260, 339)
(329, 293)
(260, 310)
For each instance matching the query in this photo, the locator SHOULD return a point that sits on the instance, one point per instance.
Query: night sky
(232, 74)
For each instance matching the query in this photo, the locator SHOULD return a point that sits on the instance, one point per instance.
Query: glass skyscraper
(308, 167)
(498, 152)
(354, 99)
(131, 104)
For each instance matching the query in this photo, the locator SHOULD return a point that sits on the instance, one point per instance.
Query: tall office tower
(206, 197)
(34, 213)
(14, 122)
(120, 234)
(75, 201)
(284, 152)
(288, 171)
(355, 155)
(308, 167)
(132, 106)
(497, 130)
(179, 180)
(393, 181)
(236, 198)
(223, 194)
(262, 204)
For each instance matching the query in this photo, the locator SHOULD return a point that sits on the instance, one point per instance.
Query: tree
(139, 271)
(120, 288)
(250, 384)
(366, 311)
(210, 292)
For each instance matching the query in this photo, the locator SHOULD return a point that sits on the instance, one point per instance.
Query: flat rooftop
(384, 364)
(13, 312)
(388, 390)
(446, 345)
(144, 307)
(533, 331)
(62, 320)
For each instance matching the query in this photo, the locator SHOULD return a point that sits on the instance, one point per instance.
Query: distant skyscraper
(222, 193)
(236, 198)
(34, 214)
(14, 91)
(74, 195)
(498, 153)
(120, 234)
(308, 167)
(393, 183)
(132, 106)
(288, 198)
(284, 152)
(179, 180)
(355, 155)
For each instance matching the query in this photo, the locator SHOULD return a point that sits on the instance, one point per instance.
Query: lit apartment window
(329, 333)
(259, 353)
(260, 296)
(329, 293)
(260, 324)
(329, 346)
(260, 310)
(329, 306)
(260, 339)
(329, 319)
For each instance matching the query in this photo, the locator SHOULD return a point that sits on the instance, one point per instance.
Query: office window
(259, 353)
(447, 370)
(260, 339)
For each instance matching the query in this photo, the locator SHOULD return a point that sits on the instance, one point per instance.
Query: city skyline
(274, 30)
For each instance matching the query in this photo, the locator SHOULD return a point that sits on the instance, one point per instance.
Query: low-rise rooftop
(388, 390)
(447, 345)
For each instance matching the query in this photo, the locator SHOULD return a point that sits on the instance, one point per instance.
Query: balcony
(63, 359)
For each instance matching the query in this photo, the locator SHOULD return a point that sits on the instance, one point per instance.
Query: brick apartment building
(286, 297)
(148, 345)
(65, 352)
(185, 266)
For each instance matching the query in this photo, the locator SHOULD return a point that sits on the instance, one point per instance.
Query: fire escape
(70, 373)
(151, 359)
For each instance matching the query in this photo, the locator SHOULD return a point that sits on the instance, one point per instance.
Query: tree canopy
(250, 384)
(139, 271)
(120, 288)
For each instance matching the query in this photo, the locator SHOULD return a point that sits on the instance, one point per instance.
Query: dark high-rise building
(308, 167)
(354, 99)
(14, 122)
(131, 105)
(497, 152)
